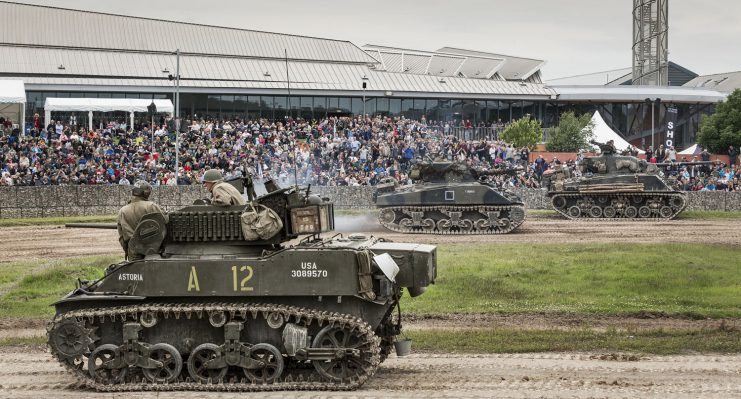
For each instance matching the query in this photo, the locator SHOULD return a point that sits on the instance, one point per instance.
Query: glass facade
(631, 119)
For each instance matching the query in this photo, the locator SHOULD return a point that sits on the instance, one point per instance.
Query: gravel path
(32, 374)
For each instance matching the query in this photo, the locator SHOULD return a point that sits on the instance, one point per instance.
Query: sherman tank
(449, 198)
(207, 309)
(614, 186)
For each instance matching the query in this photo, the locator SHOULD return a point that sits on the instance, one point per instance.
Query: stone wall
(25, 202)
(17, 202)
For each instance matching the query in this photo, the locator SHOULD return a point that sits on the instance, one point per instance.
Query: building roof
(393, 59)
(667, 94)
(724, 82)
(60, 27)
(59, 66)
(591, 79)
(678, 76)
(514, 68)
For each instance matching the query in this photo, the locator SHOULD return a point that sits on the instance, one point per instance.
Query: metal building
(239, 73)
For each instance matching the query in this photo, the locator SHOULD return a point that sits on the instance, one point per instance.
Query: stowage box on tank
(449, 198)
(207, 310)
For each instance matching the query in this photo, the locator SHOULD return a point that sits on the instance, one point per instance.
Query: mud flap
(365, 277)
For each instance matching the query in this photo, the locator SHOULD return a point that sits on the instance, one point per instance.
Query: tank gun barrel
(498, 171)
(687, 163)
(107, 226)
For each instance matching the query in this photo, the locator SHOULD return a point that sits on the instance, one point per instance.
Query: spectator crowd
(341, 151)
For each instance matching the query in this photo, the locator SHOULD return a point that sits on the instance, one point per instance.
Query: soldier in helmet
(130, 215)
(223, 194)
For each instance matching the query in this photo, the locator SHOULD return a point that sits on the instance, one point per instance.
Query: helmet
(212, 176)
(141, 189)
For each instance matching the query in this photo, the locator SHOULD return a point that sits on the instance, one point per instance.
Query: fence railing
(468, 133)
(476, 133)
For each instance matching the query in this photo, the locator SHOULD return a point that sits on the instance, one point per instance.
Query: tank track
(297, 375)
(646, 206)
(453, 220)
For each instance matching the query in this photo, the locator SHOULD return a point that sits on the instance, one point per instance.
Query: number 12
(243, 282)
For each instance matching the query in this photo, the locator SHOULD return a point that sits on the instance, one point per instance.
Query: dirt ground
(31, 373)
(22, 243)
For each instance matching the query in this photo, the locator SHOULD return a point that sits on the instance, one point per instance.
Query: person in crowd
(732, 155)
(131, 214)
(222, 193)
(330, 151)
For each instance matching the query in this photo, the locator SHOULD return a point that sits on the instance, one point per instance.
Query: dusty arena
(30, 372)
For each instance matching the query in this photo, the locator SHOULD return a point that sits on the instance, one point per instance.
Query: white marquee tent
(13, 101)
(603, 133)
(693, 150)
(91, 105)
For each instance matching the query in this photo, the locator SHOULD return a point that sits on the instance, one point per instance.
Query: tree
(524, 132)
(572, 133)
(722, 128)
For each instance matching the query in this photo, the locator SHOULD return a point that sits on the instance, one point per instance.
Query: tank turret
(612, 186)
(219, 302)
(449, 198)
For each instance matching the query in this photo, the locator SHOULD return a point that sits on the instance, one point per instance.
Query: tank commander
(222, 193)
(605, 148)
(131, 214)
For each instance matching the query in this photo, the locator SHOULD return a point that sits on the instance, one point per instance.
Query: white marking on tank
(130, 277)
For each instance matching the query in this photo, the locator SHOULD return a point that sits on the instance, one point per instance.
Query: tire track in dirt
(51, 242)
(32, 373)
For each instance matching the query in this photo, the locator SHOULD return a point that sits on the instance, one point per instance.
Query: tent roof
(12, 91)
(106, 104)
(603, 133)
(693, 150)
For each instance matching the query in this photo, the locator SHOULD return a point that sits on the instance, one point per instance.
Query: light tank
(205, 309)
(449, 198)
(614, 186)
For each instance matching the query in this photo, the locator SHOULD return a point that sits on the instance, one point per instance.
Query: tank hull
(443, 208)
(619, 205)
(614, 187)
(316, 316)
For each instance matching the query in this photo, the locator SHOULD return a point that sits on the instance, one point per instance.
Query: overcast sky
(573, 36)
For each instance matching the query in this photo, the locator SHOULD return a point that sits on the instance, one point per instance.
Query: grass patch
(56, 220)
(32, 295)
(24, 341)
(710, 215)
(508, 340)
(613, 279)
(541, 212)
(12, 271)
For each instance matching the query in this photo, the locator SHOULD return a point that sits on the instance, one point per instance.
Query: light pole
(651, 103)
(365, 85)
(152, 108)
(177, 113)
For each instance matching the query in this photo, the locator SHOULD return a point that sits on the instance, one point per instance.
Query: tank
(206, 309)
(449, 198)
(614, 187)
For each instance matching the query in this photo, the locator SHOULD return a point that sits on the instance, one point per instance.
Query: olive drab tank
(614, 187)
(208, 310)
(449, 198)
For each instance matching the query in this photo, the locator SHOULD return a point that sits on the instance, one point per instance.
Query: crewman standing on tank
(222, 193)
(131, 214)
